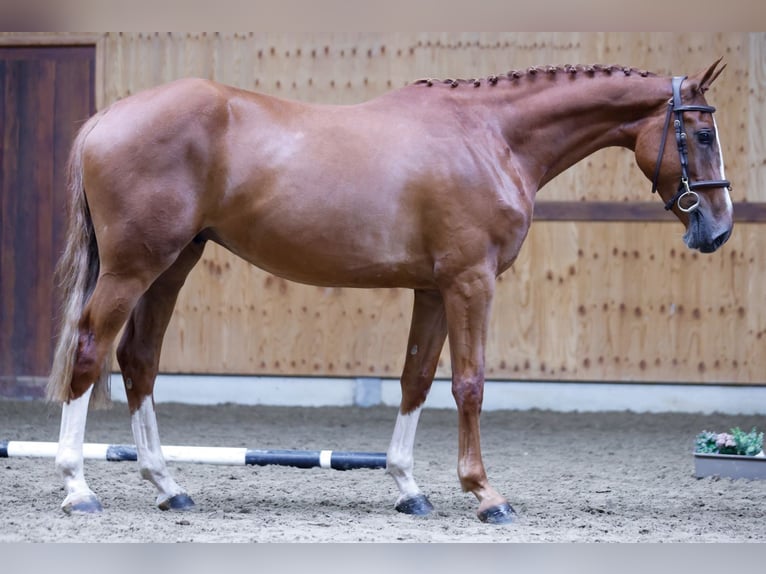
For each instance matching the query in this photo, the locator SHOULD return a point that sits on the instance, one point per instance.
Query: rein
(685, 188)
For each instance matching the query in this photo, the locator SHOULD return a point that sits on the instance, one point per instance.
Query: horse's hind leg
(138, 355)
(79, 498)
(102, 318)
(428, 331)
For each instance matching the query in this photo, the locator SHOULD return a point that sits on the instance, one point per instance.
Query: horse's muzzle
(701, 235)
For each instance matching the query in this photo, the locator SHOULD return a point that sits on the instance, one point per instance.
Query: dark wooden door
(45, 95)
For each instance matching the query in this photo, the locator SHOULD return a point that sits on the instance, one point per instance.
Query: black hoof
(500, 514)
(418, 505)
(178, 502)
(88, 506)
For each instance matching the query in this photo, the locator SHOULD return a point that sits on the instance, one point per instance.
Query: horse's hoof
(500, 514)
(178, 502)
(419, 505)
(89, 505)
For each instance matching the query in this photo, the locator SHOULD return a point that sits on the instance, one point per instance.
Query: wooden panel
(629, 302)
(44, 89)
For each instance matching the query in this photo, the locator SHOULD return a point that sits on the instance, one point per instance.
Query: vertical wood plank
(38, 217)
(752, 121)
(8, 177)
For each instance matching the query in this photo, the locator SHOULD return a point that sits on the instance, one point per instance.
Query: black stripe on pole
(296, 458)
(351, 460)
(121, 452)
(4, 449)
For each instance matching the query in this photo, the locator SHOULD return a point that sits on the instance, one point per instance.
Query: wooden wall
(604, 301)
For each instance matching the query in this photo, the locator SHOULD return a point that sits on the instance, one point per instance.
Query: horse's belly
(330, 256)
(318, 269)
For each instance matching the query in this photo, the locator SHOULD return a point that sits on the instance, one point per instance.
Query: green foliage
(705, 443)
(748, 444)
(736, 441)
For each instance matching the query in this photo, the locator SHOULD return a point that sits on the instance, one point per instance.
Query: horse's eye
(705, 137)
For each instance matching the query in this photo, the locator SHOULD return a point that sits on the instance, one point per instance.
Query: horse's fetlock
(470, 483)
(152, 468)
(67, 463)
(396, 464)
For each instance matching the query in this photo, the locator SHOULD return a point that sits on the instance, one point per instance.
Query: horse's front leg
(100, 321)
(428, 330)
(468, 299)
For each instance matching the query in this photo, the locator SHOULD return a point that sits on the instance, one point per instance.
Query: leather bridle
(686, 189)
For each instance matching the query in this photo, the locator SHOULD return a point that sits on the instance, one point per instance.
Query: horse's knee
(468, 392)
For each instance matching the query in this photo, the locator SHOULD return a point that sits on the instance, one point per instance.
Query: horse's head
(679, 150)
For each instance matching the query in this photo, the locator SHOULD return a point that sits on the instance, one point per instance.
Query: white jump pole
(337, 460)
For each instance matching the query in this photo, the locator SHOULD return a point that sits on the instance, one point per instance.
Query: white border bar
(510, 395)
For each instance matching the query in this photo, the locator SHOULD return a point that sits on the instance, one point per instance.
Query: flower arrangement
(736, 441)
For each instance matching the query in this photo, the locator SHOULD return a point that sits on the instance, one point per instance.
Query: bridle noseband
(685, 188)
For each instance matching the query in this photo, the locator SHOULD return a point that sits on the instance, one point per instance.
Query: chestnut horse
(429, 187)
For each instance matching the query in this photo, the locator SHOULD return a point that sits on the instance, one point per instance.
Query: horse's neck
(551, 124)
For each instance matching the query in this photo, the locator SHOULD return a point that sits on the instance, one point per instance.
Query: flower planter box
(729, 466)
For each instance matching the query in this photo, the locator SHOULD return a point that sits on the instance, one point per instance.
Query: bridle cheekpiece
(686, 189)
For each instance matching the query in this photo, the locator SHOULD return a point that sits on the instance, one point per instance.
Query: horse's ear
(710, 76)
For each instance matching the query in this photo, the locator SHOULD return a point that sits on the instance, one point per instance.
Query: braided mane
(515, 75)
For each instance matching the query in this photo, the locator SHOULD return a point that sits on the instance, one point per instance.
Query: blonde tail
(76, 275)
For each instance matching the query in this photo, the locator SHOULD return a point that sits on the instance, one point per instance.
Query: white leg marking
(399, 459)
(69, 459)
(150, 460)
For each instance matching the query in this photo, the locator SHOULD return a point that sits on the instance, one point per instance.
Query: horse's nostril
(720, 239)
(723, 238)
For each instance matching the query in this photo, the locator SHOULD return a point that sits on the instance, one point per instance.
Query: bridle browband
(685, 187)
